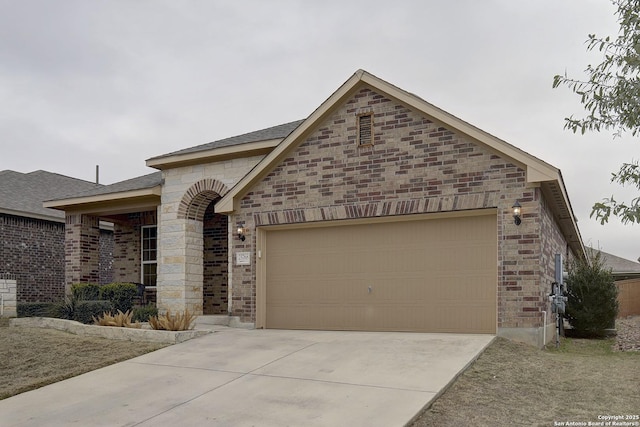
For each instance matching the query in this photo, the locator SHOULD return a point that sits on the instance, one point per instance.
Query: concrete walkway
(238, 377)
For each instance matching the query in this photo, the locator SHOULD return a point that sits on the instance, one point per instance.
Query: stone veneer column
(82, 250)
(180, 273)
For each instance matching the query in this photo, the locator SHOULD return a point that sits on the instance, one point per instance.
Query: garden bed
(109, 332)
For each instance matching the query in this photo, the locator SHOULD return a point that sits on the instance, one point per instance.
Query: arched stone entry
(193, 266)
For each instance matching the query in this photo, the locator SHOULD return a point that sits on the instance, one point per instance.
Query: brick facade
(414, 166)
(106, 256)
(127, 241)
(33, 250)
(215, 262)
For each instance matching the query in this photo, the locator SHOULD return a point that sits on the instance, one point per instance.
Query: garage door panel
(425, 275)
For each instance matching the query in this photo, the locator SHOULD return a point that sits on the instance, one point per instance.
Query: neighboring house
(378, 212)
(32, 238)
(627, 276)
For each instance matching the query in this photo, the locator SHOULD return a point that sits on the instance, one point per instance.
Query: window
(365, 129)
(149, 255)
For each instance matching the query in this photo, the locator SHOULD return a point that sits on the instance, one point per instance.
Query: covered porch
(133, 207)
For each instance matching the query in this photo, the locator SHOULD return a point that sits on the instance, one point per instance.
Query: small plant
(85, 310)
(85, 291)
(37, 309)
(67, 309)
(119, 320)
(142, 314)
(168, 322)
(121, 295)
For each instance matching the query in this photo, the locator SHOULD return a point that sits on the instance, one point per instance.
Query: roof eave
(31, 215)
(215, 154)
(119, 202)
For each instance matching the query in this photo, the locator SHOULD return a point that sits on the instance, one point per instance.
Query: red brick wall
(33, 250)
(215, 262)
(415, 166)
(106, 256)
(126, 247)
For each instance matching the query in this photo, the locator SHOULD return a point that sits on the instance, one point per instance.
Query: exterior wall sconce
(517, 211)
(241, 233)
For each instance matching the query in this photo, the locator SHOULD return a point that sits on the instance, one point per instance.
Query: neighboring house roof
(258, 142)
(22, 194)
(537, 171)
(140, 192)
(621, 268)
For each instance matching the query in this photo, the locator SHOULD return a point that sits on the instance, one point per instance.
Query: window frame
(150, 261)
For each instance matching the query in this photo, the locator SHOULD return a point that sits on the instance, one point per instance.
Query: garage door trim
(263, 231)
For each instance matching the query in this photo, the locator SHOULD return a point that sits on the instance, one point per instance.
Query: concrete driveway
(237, 377)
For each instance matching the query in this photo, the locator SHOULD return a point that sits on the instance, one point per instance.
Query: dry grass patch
(516, 384)
(32, 357)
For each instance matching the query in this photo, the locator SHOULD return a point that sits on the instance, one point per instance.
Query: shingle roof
(24, 192)
(139, 183)
(617, 264)
(275, 132)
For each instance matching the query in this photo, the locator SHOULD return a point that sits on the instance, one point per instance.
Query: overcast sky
(113, 83)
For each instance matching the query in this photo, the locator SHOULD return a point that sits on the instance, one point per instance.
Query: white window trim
(142, 261)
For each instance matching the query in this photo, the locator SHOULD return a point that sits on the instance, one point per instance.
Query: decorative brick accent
(198, 197)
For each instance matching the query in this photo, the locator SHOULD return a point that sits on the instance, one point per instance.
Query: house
(32, 237)
(627, 277)
(378, 212)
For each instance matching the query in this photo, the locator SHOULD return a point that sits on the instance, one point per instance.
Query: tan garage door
(433, 275)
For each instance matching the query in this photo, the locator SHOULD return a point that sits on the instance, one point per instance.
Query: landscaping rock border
(109, 332)
(628, 336)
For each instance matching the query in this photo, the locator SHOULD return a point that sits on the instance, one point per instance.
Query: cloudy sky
(113, 83)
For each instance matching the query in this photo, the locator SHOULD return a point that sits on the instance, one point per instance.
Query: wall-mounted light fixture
(241, 233)
(517, 211)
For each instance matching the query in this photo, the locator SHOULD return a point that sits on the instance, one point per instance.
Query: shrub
(121, 295)
(142, 314)
(592, 304)
(86, 310)
(85, 291)
(179, 322)
(36, 309)
(65, 309)
(120, 320)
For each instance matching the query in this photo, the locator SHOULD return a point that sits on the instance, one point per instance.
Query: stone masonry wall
(33, 251)
(180, 270)
(414, 166)
(8, 296)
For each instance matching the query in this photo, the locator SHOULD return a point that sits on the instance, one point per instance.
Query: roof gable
(537, 170)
